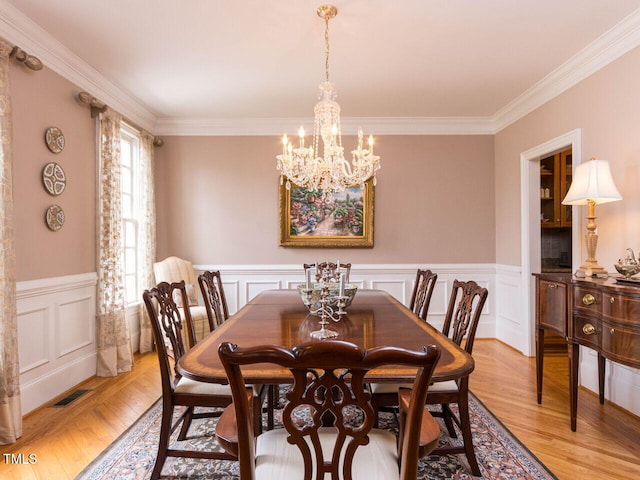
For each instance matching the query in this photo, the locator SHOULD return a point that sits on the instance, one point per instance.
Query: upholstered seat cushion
(186, 385)
(277, 459)
(448, 386)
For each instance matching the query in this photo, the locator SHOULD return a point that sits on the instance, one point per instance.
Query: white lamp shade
(592, 181)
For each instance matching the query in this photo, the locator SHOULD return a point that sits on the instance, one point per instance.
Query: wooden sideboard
(600, 314)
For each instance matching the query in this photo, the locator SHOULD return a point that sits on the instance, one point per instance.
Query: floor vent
(63, 402)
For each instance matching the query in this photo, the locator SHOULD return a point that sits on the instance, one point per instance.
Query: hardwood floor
(606, 445)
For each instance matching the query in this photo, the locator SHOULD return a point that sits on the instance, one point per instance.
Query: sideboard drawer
(621, 308)
(587, 330)
(621, 343)
(587, 299)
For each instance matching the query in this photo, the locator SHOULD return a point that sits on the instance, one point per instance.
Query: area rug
(132, 456)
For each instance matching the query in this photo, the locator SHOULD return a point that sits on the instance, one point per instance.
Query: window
(129, 160)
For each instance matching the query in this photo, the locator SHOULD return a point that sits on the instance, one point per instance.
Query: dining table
(279, 317)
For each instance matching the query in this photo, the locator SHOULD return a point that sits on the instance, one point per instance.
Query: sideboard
(600, 314)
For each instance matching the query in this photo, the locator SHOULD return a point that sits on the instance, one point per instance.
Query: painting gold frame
(308, 220)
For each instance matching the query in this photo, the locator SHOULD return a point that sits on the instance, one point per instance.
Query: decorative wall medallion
(55, 217)
(55, 139)
(54, 178)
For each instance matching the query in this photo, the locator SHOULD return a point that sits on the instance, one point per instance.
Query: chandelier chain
(326, 48)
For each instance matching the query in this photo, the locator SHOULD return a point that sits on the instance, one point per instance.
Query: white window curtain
(10, 407)
(114, 340)
(147, 234)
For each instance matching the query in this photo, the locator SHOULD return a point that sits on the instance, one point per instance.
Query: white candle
(342, 284)
(308, 273)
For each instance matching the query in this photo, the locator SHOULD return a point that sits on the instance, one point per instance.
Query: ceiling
(176, 65)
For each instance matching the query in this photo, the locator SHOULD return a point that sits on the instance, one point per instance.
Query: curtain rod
(98, 107)
(29, 61)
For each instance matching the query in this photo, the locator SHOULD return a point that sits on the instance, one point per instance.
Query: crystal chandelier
(330, 172)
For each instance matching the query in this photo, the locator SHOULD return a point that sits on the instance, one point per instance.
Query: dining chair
(332, 270)
(466, 302)
(461, 323)
(215, 301)
(328, 418)
(174, 269)
(422, 292)
(167, 324)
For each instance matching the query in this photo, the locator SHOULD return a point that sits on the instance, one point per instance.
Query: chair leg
(257, 415)
(272, 398)
(186, 423)
(448, 420)
(465, 424)
(163, 444)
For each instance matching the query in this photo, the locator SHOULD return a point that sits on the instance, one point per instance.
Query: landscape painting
(310, 219)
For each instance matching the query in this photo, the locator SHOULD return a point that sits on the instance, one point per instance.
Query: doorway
(531, 235)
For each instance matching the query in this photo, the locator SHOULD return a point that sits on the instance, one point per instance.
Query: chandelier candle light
(331, 172)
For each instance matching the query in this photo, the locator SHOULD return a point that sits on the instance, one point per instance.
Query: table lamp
(592, 184)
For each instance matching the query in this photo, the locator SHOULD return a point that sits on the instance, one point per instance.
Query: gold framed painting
(308, 219)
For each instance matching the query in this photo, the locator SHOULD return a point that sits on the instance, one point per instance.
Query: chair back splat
(214, 299)
(463, 314)
(328, 416)
(422, 292)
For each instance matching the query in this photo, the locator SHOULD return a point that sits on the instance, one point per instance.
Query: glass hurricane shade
(592, 180)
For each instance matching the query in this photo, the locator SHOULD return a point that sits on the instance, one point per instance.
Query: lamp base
(591, 270)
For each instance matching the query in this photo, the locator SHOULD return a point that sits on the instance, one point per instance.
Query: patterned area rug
(500, 455)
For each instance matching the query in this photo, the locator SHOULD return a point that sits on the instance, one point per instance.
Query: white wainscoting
(56, 320)
(56, 336)
(243, 282)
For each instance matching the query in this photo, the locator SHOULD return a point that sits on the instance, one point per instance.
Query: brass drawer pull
(553, 285)
(588, 299)
(612, 300)
(589, 329)
(613, 330)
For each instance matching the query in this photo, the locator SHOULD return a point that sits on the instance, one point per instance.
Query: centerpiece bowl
(350, 290)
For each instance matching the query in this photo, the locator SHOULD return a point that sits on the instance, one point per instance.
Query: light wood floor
(606, 445)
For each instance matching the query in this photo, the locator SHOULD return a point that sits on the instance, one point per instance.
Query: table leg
(574, 359)
(539, 361)
(601, 369)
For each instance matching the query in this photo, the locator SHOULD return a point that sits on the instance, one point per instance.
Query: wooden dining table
(279, 317)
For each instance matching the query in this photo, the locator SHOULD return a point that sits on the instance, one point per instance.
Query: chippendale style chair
(328, 418)
(216, 304)
(461, 322)
(422, 292)
(214, 300)
(167, 324)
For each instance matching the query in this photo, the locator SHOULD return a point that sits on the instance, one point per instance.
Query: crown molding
(619, 40)
(17, 28)
(20, 30)
(349, 126)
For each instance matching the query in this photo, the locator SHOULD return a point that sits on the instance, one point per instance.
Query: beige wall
(217, 202)
(606, 107)
(41, 100)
